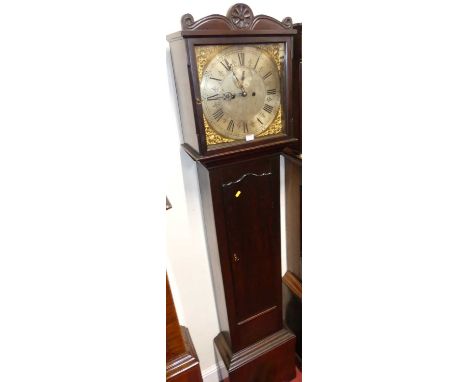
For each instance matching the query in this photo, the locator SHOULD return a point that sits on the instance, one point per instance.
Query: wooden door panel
(251, 219)
(249, 206)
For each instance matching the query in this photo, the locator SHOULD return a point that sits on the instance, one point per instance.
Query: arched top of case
(239, 20)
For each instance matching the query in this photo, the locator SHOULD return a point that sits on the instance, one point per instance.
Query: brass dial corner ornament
(240, 89)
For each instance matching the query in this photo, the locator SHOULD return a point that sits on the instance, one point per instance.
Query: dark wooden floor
(297, 379)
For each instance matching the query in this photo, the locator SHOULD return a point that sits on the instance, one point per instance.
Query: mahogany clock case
(240, 193)
(184, 65)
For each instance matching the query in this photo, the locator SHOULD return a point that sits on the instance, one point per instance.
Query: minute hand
(239, 84)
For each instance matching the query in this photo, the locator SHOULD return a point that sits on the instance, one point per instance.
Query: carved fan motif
(240, 15)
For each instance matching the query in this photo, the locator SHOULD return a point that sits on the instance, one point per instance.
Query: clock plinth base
(269, 360)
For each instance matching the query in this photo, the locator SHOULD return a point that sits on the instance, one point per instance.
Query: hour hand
(226, 96)
(214, 97)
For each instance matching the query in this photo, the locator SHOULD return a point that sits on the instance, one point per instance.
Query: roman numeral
(218, 114)
(241, 56)
(268, 108)
(226, 65)
(246, 128)
(213, 97)
(271, 91)
(267, 75)
(259, 121)
(256, 62)
(216, 79)
(231, 125)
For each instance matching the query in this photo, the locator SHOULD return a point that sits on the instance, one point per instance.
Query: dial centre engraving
(243, 106)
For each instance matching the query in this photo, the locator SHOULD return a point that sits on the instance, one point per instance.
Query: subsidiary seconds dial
(240, 91)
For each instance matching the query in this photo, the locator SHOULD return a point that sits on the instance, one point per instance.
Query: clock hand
(239, 84)
(226, 96)
(214, 97)
(243, 94)
(229, 96)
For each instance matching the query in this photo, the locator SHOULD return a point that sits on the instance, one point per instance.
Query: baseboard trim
(210, 374)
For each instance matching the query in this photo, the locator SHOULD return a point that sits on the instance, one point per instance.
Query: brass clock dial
(240, 91)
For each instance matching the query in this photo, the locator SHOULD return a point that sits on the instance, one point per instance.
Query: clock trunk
(242, 214)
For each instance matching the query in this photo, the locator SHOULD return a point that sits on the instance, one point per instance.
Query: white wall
(84, 112)
(187, 259)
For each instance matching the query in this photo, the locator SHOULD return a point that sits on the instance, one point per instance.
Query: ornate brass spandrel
(205, 53)
(276, 52)
(276, 127)
(212, 137)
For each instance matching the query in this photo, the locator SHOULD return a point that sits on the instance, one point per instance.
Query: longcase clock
(233, 78)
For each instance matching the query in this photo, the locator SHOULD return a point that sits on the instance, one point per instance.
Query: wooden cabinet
(181, 359)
